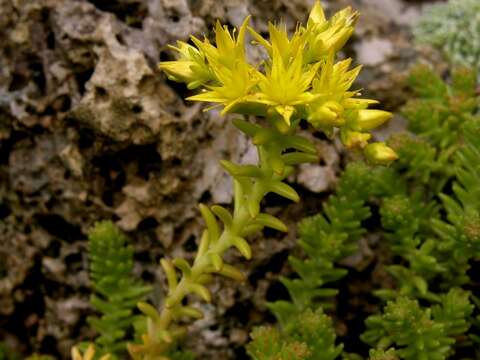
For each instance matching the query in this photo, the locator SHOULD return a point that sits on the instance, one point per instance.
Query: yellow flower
(299, 80)
(190, 68)
(234, 86)
(331, 88)
(287, 47)
(228, 49)
(286, 85)
(88, 355)
(324, 37)
(336, 105)
(199, 66)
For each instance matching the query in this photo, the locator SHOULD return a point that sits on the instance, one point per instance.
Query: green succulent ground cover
(454, 29)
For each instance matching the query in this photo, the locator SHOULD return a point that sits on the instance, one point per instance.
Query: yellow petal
(317, 15)
(76, 355)
(90, 353)
(358, 103)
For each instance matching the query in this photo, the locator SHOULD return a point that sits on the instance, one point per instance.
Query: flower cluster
(299, 79)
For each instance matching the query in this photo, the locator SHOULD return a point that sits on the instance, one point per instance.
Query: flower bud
(353, 139)
(368, 119)
(179, 71)
(379, 153)
(327, 115)
(337, 41)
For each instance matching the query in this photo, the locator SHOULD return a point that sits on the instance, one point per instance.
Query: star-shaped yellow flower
(286, 85)
(234, 86)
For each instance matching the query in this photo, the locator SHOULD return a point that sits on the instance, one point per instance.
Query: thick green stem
(241, 218)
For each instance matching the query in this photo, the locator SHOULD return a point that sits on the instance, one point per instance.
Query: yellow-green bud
(368, 119)
(179, 71)
(329, 114)
(379, 153)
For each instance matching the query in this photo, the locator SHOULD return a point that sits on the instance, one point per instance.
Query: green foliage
(431, 221)
(454, 29)
(7, 354)
(405, 324)
(116, 291)
(181, 355)
(406, 220)
(460, 234)
(420, 333)
(433, 247)
(440, 109)
(475, 336)
(268, 344)
(3, 351)
(379, 354)
(309, 337)
(327, 238)
(454, 312)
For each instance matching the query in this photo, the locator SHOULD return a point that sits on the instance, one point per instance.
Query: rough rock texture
(89, 130)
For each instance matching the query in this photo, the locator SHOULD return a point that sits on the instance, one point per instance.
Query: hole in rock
(57, 226)
(82, 78)
(137, 109)
(4, 210)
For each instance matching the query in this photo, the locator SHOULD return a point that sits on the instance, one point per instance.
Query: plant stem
(241, 218)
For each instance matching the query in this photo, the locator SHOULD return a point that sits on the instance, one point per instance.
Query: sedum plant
(325, 239)
(418, 332)
(299, 79)
(430, 219)
(454, 29)
(428, 204)
(312, 337)
(116, 291)
(378, 354)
